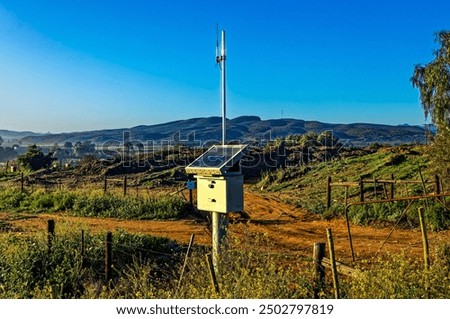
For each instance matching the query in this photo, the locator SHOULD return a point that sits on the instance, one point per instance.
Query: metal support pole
(223, 81)
(220, 223)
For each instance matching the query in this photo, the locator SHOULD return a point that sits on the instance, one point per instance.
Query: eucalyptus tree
(433, 82)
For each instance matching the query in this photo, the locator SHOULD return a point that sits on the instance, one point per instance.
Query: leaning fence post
(108, 257)
(319, 270)
(333, 263)
(349, 233)
(423, 228)
(191, 242)
(426, 253)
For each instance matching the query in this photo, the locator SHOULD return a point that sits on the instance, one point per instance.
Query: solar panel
(217, 160)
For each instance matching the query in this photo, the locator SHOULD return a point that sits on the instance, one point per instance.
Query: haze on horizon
(69, 66)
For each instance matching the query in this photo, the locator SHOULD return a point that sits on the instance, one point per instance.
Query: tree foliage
(35, 159)
(433, 82)
(84, 148)
(328, 139)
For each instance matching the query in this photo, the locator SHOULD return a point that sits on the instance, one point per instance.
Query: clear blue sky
(72, 65)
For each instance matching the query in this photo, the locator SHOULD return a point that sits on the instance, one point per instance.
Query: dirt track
(291, 230)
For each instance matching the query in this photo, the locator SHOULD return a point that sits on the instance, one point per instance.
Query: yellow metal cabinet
(222, 194)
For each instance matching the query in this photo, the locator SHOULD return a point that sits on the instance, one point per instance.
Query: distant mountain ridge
(15, 136)
(243, 129)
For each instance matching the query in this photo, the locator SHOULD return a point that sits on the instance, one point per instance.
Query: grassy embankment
(306, 187)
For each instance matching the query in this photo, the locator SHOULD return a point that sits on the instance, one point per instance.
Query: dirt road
(289, 230)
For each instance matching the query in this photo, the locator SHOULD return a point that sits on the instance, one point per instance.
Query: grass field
(269, 252)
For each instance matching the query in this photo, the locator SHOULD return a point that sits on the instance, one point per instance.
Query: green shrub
(437, 216)
(395, 278)
(90, 205)
(399, 276)
(149, 267)
(130, 207)
(247, 270)
(317, 208)
(367, 214)
(27, 266)
(29, 269)
(41, 202)
(11, 199)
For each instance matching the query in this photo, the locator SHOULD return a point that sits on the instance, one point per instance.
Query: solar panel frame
(217, 160)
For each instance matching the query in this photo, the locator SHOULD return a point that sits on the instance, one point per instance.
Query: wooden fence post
(437, 185)
(423, 227)
(22, 181)
(346, 195)
(392, 186)
(108, 257)
(328, 199)
(426, 253)
(333, 263)
(375, 187)
(319, 270)
(361, 189)
(125, 185)
(349, 233)
(50, 233)
(424, 186)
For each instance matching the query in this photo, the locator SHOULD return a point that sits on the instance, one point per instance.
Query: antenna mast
(220, 59)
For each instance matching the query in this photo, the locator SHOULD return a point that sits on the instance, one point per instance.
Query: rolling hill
(197, 131)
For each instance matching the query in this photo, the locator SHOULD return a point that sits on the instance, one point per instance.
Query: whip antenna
(217, 45)
(220, 60)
